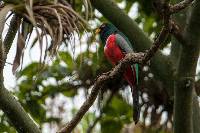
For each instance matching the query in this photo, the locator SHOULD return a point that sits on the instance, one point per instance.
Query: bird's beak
(98, 30)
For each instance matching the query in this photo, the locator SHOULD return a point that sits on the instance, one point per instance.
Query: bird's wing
(123, 44)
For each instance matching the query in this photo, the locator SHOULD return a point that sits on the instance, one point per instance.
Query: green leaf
(70, 92)
(6, 128)
(118, 1)
(37, 110)
(110, 125)
(119, 108)
(67, 58)
(58, 72)
(30, 70)
(148, 24)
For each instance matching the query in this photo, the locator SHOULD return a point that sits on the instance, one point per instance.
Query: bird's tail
(136, 106)
(131, 75)
(135, 94)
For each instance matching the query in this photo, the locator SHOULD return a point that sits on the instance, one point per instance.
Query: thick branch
(118, 70)
(10, 106)
(177, 32)
(196, 114)
(99, 84)
(186, 74)
(180, 6)
(139, 40)
(114, 74)
(175, 55)
(14, 25)
(16, 114)
(84, 108)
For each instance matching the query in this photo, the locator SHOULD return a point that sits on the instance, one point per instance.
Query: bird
(116, 46)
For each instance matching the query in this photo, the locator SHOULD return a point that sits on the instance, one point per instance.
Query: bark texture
(10, 106)
(184, 86)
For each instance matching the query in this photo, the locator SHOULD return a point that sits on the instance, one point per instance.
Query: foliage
(68, 76)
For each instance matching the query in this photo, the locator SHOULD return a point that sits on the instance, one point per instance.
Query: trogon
(116, 46)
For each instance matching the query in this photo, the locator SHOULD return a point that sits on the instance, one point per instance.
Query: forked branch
(131, 58)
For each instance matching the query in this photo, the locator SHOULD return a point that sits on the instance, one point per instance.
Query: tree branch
(10, 106)
(180, 6)
(177, 32)
(196, 114)
(16, 114)
(89, 130)
(116, 73)
(10, 35)
(184, 91)
(164, 71)
(99, 84)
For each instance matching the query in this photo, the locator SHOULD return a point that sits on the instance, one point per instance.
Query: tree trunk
(10, 106)
(141, 42)
(184, 86)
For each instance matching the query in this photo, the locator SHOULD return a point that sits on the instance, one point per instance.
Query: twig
(114, 74)
(5, 62)
(151, 52)
(164, 10)
(100, 83)
(131, 58)
(177, 32)
(180, 6)
(89, 130)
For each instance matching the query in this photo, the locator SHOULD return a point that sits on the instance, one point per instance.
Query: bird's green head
(105, 30)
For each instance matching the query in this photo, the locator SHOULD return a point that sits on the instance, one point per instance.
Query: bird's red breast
(112, 51)
(114, 54)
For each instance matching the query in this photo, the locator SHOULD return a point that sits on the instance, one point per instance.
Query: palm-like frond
(53, 18)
